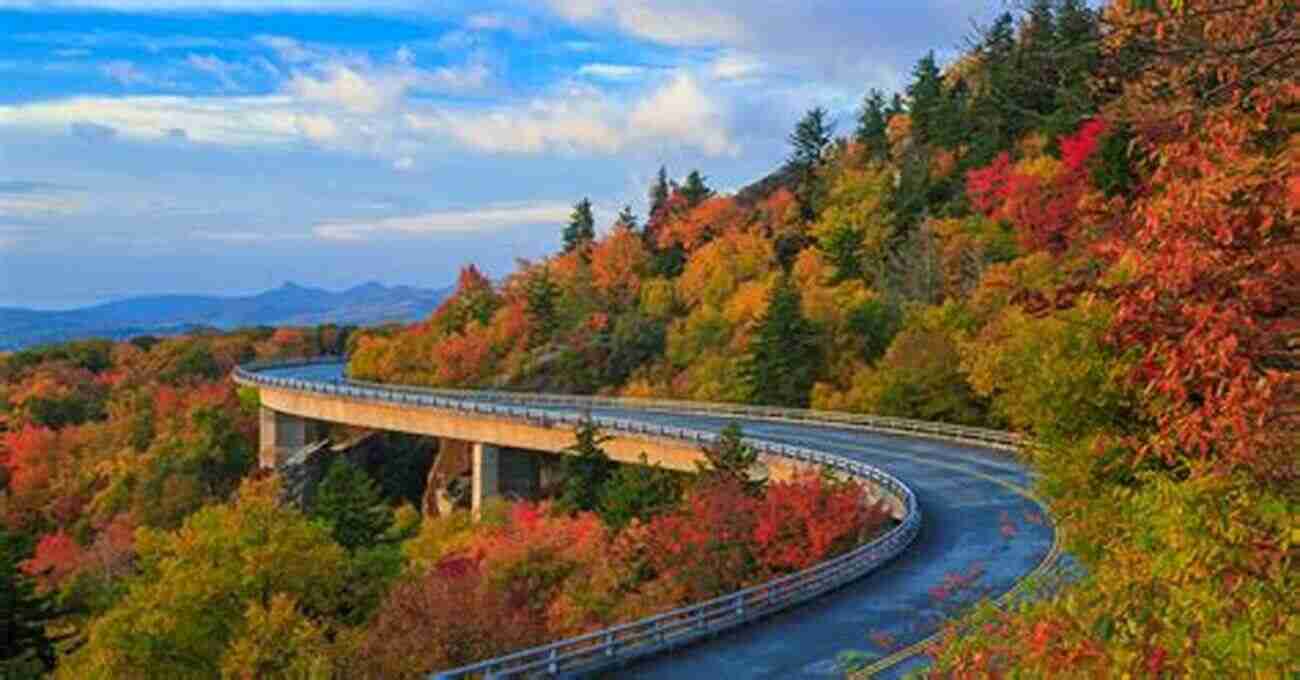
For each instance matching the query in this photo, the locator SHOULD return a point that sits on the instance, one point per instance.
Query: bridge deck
(978, 520)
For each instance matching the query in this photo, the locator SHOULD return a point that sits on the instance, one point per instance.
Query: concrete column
(454, 462)
(487, 474)
(281, 434)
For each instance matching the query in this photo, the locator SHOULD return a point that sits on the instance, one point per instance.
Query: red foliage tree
(809, 519)
(1214, 299)
(57, 557)
(1044, 210)
(442, 619)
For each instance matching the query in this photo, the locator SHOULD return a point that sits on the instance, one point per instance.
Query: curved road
(979, 525)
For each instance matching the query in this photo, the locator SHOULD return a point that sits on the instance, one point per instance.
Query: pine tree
(873, 123)
(626, 218)
(784, 352)
(875, 323)
(659, 193)
(927, 98)
(350, 504)
(695, 191)
(1037, 60)
(730, 460)
(811, 136)
(638, 492)
(587, 469)
(1078, 55)
(808, 142)
(25, 649)
(582, 226)
(996, 122)
(843, 249)
(542, 307)
(896, 106)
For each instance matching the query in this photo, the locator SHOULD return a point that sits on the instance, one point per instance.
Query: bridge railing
(620, 644)
(996, 439)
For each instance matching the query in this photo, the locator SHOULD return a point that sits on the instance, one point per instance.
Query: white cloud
(613, 71)
(244, 237)
(735, 66)
(366, 88)
(499, 21)
(404, 163)
(473, 75)
(571, 124)
(584, 119)
(289, 49)
(848, 43)
(343, 86)
(672, 23)
(680, 111)
(24, 200)
(474, 220)
(316, 127)
(222, 70)
(125, 73)
(232, 121)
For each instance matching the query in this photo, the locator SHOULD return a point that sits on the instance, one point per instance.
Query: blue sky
(226, 146)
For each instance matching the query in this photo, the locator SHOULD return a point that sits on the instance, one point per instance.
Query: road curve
(980, 523)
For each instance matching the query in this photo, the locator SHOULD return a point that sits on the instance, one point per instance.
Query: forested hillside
(1083, 229)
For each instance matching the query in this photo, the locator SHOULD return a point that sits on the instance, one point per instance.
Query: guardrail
(995, 439)
(620, 644)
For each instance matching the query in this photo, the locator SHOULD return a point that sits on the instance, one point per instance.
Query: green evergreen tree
(26, 651)
(659, 193)
(695, 190)
(808, 142)
(542, 307)
(729, 459)
(1078, 57)
(587, 468)
(875, 323)
(784, 352)
(639, 492)
(626, 218)
(926, 98)
(896, 106)
(813, 133)
(349, 503)
(843, 250)
(1037, 63)
(873, 125)
(995, 120)
(582, 226)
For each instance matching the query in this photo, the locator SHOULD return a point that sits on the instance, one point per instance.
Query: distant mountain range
(288, 305)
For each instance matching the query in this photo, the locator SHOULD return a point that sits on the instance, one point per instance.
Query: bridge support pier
(487, 474)
(281, 434)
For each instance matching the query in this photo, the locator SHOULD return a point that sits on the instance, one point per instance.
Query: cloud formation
(584, 119)
(476, 220)
(617, 72)
(25, 199)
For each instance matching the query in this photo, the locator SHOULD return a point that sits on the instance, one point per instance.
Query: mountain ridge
(290, 304)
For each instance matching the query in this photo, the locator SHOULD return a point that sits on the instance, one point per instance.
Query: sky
(228, 146)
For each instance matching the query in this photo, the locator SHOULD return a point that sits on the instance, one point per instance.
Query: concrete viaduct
(981, 521)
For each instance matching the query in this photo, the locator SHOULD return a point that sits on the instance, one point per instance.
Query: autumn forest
(1082, 229)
